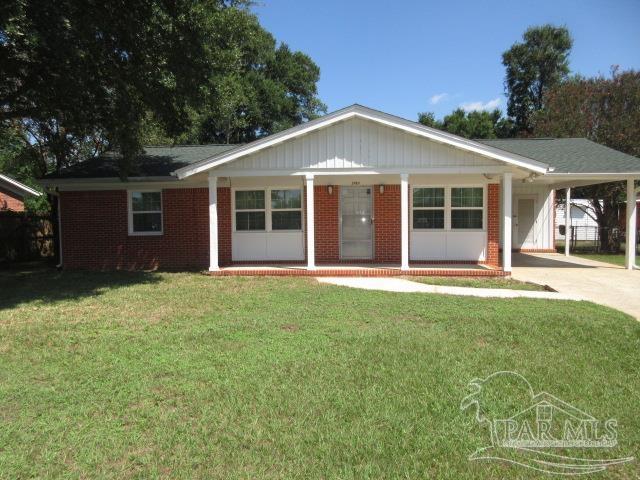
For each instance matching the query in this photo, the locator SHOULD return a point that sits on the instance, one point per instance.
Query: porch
(359, 270)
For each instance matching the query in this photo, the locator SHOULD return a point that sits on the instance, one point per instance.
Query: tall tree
(76, 70)
(607, 111)
(474, 124)
(533, 66)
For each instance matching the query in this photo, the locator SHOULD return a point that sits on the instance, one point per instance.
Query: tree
(534, 66)
(606, 111)
(74, 71)
(474, 124)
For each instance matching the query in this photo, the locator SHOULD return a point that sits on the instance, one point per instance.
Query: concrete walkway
(598, 282)
(402, 285)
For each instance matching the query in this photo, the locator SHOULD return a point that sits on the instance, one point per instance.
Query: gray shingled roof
(570, 155)
(154, 162)
(566, 155)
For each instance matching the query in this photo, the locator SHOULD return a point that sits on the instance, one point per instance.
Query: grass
(613, 258)
(160, 375)
(479, 282)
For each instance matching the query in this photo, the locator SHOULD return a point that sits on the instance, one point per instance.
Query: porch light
(330, 188)
(381, 189)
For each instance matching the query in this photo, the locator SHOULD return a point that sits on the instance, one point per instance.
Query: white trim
(130, 212)
(21, 187)
(268, 227)
(507, 229)
(516, 214)
(567, 223)
(342, 189)
(358, 111)
(213, 224)
(632, 212)
(404, 221)
(448, 208)
(311, 246)
(364, 171)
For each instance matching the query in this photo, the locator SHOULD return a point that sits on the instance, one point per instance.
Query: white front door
(524, 223)
(356, 229)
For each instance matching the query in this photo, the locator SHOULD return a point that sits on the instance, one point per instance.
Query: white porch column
(567, 223)
(311, 247)
(213, 223)
(404, 221)
(507, 200)
(630, 249)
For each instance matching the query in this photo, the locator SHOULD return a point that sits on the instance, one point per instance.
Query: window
(428, 208)
(467, 206)
(286, 210)
(145, 213)
(250, 210)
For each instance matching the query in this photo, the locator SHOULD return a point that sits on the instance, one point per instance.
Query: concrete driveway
(598, 282)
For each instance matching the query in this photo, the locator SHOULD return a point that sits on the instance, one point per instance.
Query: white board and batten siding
(541, 236)
(356, 143)
(360, 144)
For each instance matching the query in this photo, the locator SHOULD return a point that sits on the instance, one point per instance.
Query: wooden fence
(25, 237)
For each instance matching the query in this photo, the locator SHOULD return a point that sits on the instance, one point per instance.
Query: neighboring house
(584, 226)
(13, 193)
(354, 186)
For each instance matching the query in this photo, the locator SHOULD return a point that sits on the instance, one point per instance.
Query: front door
(525, 223)
(356, 229)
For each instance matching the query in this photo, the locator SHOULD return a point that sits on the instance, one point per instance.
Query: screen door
(356, 223)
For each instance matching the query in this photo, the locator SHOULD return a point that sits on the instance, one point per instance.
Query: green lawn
(187, 376)
(616, 259)
(479, 282)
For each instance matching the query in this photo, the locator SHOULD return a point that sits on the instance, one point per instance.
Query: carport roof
(570, 155)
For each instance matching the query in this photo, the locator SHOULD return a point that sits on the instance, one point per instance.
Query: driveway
(598, 282)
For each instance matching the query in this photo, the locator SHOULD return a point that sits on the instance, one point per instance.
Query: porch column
(404, 221)
(311, 247)
(567, 223)
(630, 248)
(213, 223)
(507, 200)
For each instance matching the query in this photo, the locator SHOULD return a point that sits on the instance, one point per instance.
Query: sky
(405, 57)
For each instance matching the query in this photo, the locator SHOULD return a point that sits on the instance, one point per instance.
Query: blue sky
(404, 57)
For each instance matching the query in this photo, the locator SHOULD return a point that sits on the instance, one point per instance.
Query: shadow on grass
(36, 282)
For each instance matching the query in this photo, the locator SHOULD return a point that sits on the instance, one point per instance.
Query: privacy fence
(25, 237)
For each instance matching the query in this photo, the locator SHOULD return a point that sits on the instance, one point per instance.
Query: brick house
(354, 187)
(13, 193)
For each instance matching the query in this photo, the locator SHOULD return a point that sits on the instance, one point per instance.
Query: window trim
(443, 208)
(448, 208)
(452, 208)
(267, 209)
(130, 212)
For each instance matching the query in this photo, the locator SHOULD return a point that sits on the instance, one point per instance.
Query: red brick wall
(386, 211)
(10, 201)
(327, 224)
(224, 226)
(95, 231)
(493, 224)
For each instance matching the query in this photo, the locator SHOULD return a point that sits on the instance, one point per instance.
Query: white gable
(357, 143)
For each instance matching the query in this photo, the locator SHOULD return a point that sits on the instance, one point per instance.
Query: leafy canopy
(533, 66)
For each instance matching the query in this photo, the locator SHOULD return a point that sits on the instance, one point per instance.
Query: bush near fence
(25, 237)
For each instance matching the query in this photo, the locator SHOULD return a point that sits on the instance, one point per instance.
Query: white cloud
(438, 98)
(490, 105)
